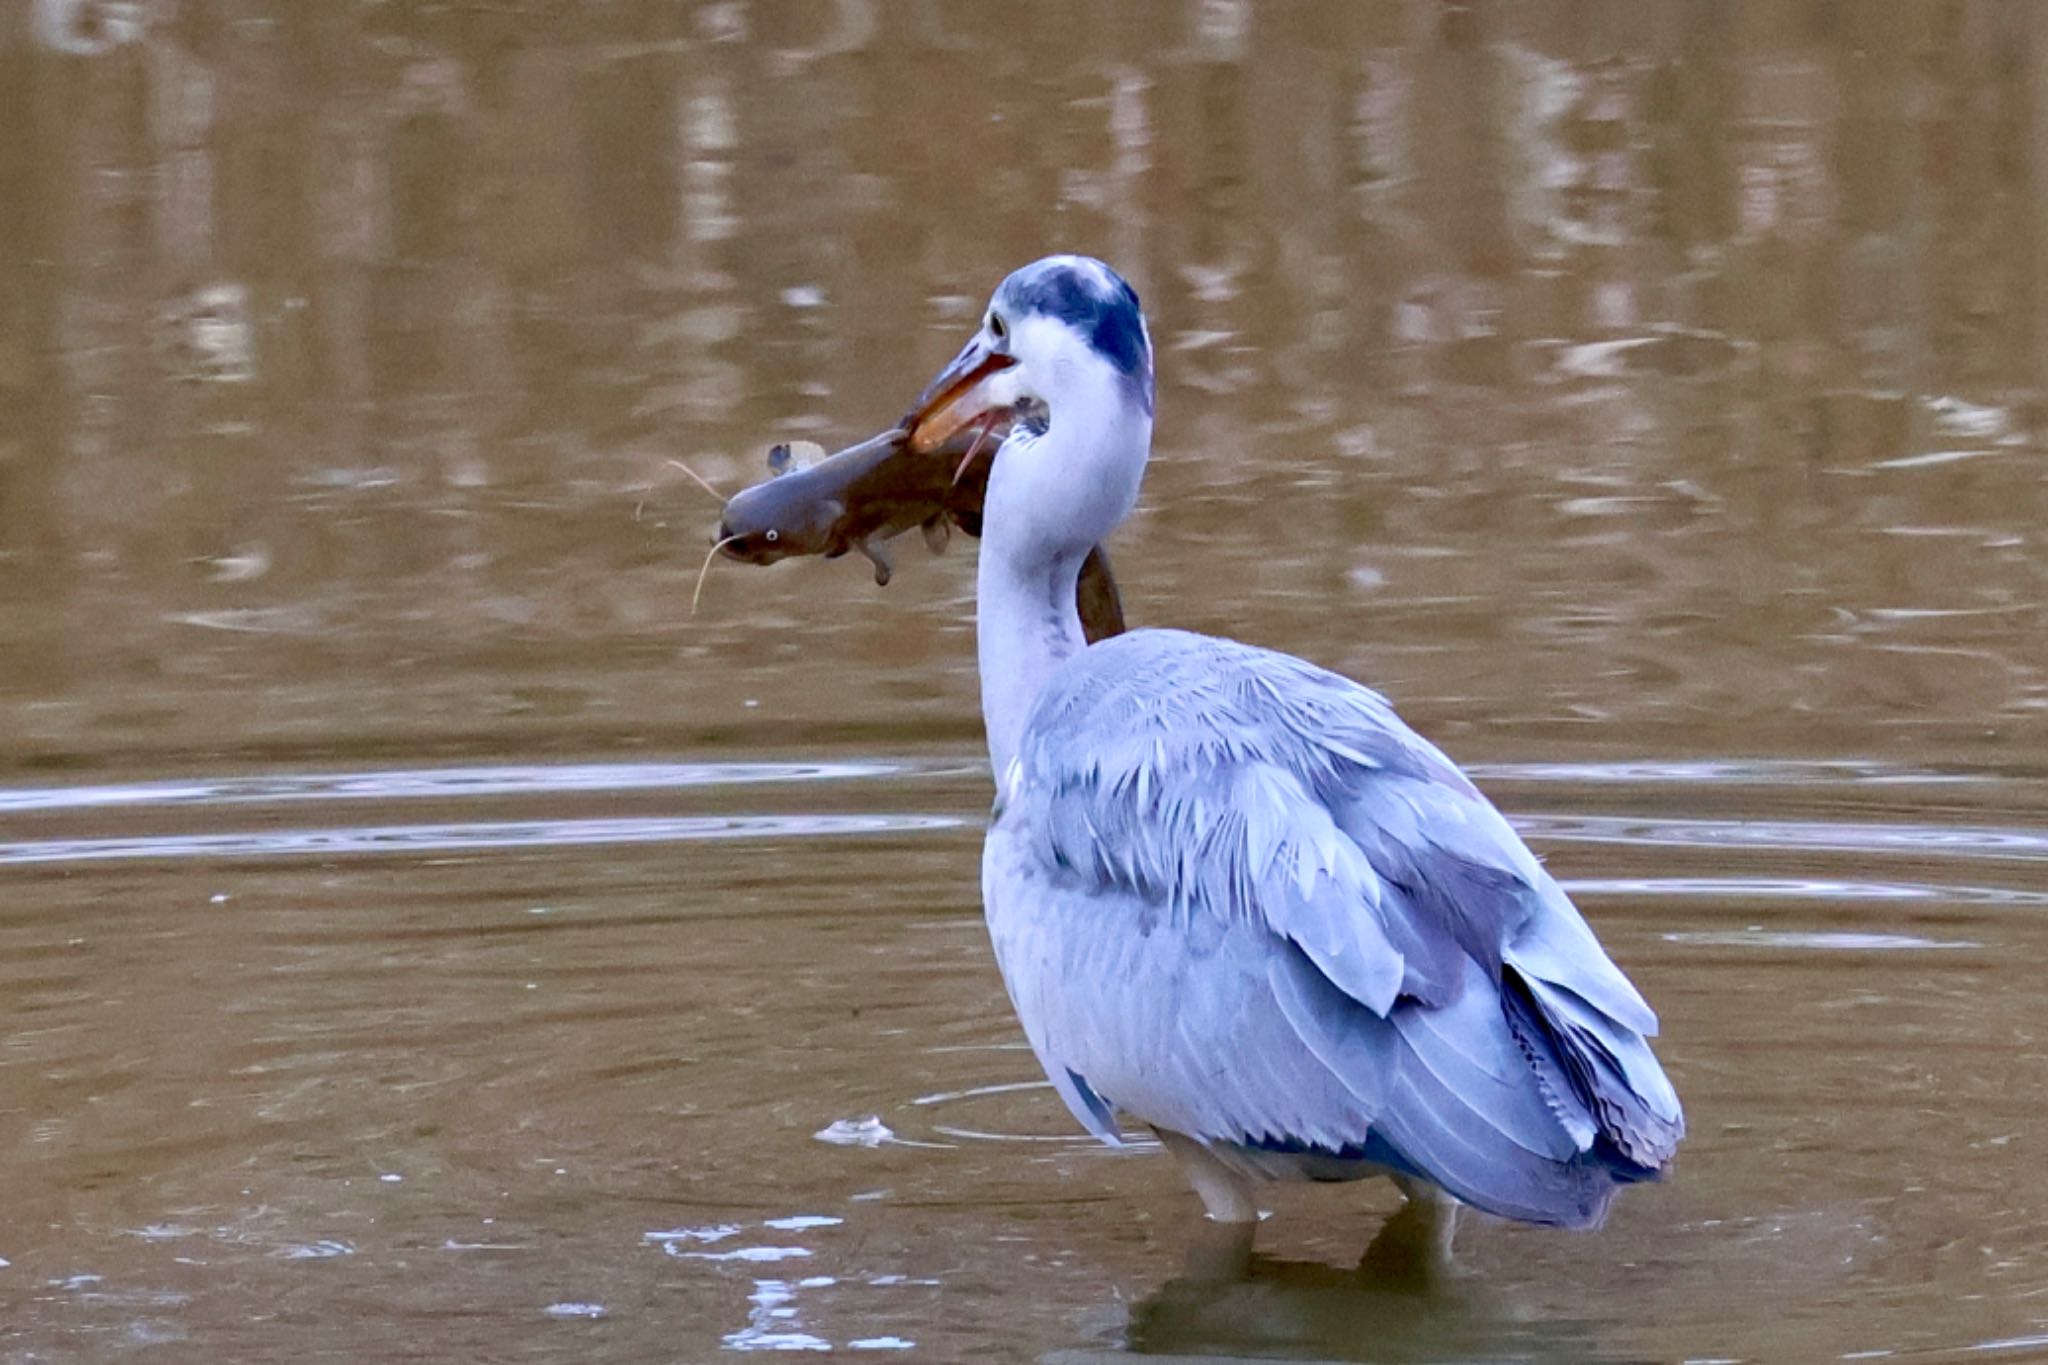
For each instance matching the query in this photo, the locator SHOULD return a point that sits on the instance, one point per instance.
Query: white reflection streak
(1130, 133)
(1383, 137)
(88, 28)
(751, 1255)
(1760, 771)
(716, 1233)
(1787, 835)
(1800, 888)
(405, 783)
(2010, 1344)
(1544, 164)
(441, 838)
(770, 1325)
(710, 133)
(772, 1322)
(976, 1092)
(1824, 941)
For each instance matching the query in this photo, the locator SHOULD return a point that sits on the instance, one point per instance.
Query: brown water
(420, 938)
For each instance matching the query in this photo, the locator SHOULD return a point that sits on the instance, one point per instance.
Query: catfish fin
(879, 558)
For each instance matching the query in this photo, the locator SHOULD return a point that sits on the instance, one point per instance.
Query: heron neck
(1051, 496)
(1026, 626)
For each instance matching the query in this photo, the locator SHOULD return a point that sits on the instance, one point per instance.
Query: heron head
(1060, 333)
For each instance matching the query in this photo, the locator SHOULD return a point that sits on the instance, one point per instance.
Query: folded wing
(1234, 895)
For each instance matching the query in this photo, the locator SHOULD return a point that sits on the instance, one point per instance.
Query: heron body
(1232, 894)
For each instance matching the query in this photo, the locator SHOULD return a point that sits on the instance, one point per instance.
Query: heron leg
(1414, 1246)
(1226, 1193)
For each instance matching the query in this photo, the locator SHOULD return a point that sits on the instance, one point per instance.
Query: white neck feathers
(1051, 498)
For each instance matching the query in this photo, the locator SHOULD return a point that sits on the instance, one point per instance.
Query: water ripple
(542, 779)
(1801, 888)
(444, 783)
(476, 835)
(1820, 941)
(1949, 840)
(1786, 772)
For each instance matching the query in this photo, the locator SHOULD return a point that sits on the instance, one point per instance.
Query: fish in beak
(859, 498)
(974, 388)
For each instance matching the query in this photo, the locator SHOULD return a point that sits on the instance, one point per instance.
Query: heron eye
(996, 326)
(773, 536)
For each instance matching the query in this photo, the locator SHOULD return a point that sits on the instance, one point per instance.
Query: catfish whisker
(702, 482)
(988, 424)
(705, 572)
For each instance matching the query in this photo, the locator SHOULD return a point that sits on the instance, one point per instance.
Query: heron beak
(961, 393)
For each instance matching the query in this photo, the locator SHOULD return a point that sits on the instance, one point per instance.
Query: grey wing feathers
(1233, 891)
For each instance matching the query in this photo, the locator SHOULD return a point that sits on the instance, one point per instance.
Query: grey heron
(1232, 894)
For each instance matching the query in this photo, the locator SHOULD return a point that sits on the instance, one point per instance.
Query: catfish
(867, 494)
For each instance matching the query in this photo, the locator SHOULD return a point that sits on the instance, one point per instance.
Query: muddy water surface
(420, 937)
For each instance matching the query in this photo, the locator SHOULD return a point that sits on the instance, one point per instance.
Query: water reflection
(364, 327)
(495, 834)
(1960, 841)
(1274, 1309)
(440, 784)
